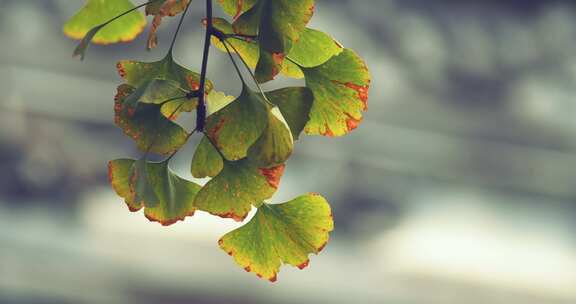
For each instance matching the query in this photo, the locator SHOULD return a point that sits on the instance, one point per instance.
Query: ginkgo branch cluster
(245, 140)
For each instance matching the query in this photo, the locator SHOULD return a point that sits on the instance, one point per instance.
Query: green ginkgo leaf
(281, 234)
(175, 196)
(147, 125)
(276, 143)
(238, 125)
(239, 186)
(340, 88)
(206, 162)
(295, 104)
(91, 23)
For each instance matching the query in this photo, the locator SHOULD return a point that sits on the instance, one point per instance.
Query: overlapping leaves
(248, 139)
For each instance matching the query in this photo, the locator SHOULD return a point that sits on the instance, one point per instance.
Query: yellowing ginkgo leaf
(340, 88)
(281, 234)
(97, 12)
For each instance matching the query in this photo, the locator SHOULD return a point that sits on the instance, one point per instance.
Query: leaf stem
(201, 110)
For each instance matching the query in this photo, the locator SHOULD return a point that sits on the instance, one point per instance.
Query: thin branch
(201, 110)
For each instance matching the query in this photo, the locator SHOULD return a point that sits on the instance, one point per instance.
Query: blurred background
(459, 187)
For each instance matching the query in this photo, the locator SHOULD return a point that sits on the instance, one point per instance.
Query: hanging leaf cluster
(245, 140)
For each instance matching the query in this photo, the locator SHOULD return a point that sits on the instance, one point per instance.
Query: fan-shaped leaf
(340, 88)
(237, 187)
(96, 13)
(175, 196)
(281, 234)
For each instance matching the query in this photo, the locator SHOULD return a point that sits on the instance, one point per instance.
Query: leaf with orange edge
(92, 23)
(281, 234)
(239, 186)
(340, 88)
(174, 195)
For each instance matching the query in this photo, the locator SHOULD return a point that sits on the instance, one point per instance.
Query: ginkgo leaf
(147, 125)
(96, 13)
(206, 162)
(161, 9)
(175, 196)
(239, 186)
(235, 8)
(340, 88)
(238, 125)
(281, 234)
(295, 104)
(276, 143)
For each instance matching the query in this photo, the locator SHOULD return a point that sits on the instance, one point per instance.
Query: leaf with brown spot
(281, 234)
